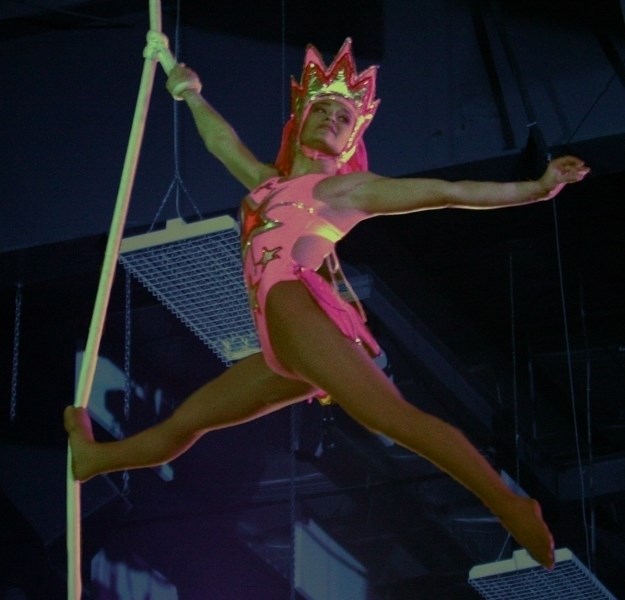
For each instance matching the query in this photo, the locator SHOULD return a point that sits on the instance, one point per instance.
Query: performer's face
(327, 127)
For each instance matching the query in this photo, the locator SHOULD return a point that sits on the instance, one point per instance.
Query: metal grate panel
(195, 270)
(522, 578)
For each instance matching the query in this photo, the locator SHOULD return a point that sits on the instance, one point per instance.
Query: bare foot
(78, 425)
(522, 517)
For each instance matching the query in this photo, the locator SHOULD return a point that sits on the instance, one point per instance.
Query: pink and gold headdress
(340, 81)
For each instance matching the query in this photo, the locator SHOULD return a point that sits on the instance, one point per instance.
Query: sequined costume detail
(286, 235)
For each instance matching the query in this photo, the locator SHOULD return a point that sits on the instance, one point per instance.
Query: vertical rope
(567, 343)
(176, 118)
(589, 437)
(517, 470)
(176, 114)
(515, 395)
(16, 352)
(293, 496)
(177, 184)
(283, 82)
(293, 408)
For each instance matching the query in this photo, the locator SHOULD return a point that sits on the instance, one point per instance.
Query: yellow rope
(156, 49)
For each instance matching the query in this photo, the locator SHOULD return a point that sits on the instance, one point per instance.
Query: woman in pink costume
(313, 342)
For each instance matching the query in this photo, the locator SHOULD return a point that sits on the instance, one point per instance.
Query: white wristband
(183, 86)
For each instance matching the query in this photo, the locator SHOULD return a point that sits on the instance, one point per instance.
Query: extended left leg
(246, 391)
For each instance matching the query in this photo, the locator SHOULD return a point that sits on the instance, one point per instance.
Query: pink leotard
(286, 234)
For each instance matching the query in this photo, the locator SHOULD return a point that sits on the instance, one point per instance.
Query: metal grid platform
(195, 270)
(522, 578)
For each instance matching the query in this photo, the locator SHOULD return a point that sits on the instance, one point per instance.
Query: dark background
(525, 304)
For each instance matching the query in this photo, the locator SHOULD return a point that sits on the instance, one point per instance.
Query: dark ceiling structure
(510, 324)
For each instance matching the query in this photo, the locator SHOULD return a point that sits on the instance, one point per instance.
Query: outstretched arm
(219, 137)
(380, 195)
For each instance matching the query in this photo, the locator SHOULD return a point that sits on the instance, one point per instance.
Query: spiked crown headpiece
(340, 81)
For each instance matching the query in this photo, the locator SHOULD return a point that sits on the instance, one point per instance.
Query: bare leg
(247, 390)
(311, 346)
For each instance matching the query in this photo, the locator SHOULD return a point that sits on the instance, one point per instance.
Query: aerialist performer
(313, 342)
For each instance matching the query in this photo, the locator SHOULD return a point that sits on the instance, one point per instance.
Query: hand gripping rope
(157, 49)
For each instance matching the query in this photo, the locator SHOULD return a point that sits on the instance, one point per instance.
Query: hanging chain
(16, 351)
(127, 380)
(127, 344)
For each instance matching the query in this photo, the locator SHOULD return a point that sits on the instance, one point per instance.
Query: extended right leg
(317, 351)
(244, 392)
